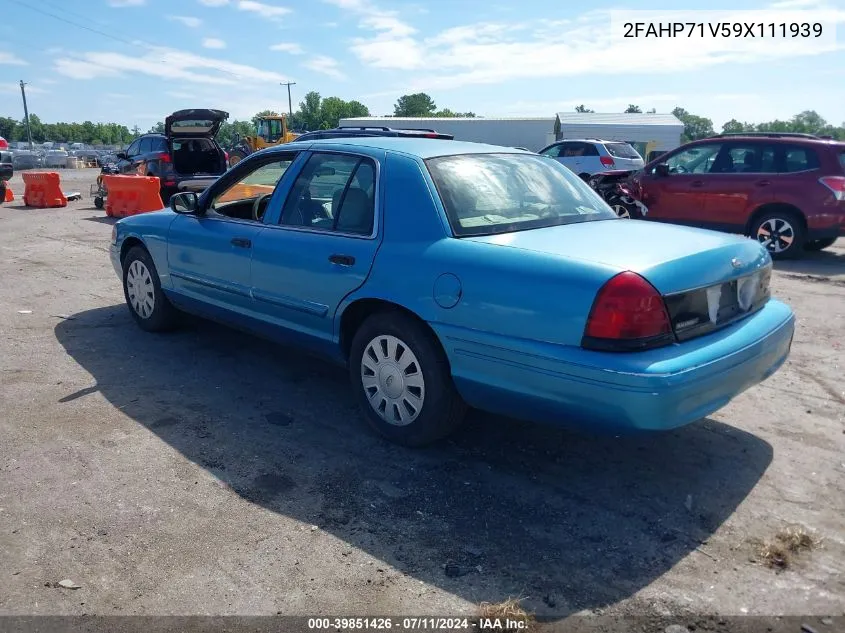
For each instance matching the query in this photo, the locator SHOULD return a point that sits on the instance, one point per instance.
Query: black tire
(817, 245)
(236, 156)
(778, 219)
(442, 409)
(99, 203)
(163, 316)
(624, 209)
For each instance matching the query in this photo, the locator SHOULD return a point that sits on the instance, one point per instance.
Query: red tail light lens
(607, 161)
(628, 314)
(165, 158)
(226, 156)
(836, 184)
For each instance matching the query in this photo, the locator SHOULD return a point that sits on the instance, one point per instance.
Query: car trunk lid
(195, 122)
(707, 279)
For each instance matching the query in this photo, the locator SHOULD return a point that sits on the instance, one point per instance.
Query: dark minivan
(185, 158)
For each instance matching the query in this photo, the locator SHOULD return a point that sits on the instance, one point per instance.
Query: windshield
(621, 150)
(486, 194)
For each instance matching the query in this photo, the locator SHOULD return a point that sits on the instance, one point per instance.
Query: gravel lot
(208, 472)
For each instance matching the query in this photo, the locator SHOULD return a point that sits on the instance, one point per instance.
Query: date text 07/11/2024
(724, 29)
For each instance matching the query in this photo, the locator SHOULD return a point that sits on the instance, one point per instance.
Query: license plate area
(703, 310)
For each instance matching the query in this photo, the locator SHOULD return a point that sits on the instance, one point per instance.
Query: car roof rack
(383, 129)
(766, 134)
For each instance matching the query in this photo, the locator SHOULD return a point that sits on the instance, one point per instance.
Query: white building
(658, 132)
(532, 133)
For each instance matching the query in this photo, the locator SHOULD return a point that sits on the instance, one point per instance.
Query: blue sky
(143, 59)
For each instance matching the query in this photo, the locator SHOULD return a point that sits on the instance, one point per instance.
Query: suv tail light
(628, 314)
(607, 161)
(836, 184)
(165, 157)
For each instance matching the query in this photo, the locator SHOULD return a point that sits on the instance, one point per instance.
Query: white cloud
(187, 20)
(181, 95)
(15, 88)
(325, 65)
(214, 3)
(266, 10)
(126, 3)
(213, 42)
(165, 63)
(589, 44)
(288, 47)
(11, 59)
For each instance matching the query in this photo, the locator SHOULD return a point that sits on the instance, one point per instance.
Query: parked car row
(56, 158)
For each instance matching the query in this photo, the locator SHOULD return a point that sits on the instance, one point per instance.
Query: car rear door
(319, 245)
(679, 197)
(740, 180)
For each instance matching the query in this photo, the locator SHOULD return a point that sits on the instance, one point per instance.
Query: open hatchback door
(196, 122)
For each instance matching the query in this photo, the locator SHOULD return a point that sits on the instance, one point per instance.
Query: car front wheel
(144, 297)
(402, 380)
(781, 232)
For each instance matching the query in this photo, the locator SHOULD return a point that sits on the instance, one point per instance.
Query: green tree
(632, 109)
(695, 127)
(158, 128)
(309, 109)
(415, 105)
(582, 108)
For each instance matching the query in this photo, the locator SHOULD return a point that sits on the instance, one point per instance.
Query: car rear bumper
(653, 390)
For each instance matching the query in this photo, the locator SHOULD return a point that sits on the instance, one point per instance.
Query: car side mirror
(122, 155)
(661, 169)
(186, 202)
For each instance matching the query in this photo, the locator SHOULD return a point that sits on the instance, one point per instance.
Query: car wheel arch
(128, 244)
(354, 315)
(771, 207)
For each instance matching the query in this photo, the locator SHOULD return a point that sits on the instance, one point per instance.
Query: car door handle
(697, 183)
(241, 242)
(764, 183)
(342, 260)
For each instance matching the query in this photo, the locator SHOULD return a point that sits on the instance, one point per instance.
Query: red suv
(786, 190)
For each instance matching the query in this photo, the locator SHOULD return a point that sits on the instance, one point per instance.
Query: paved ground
(209, 472)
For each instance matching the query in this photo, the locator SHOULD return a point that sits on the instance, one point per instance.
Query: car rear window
(621, 150)
(799, 159)
(487, 194)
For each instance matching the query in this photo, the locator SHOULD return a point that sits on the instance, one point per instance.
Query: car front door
(319, 245)
(126, 165)
(739, 181)
(679, 195)
(210, 254)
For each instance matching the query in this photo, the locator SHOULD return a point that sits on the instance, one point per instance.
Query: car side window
(553, 151)
(255, 186)
(159, 145)
(799, 159)
(132, 150)
(571, 150)
(334, 192)
(694, 160)
(589, 149)
(754, 158)
(146, 145)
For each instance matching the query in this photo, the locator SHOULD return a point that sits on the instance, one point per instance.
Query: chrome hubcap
(140, 289)
(776, 235)
(392, 379)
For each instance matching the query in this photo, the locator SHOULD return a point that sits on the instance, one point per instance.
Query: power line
(137, 43)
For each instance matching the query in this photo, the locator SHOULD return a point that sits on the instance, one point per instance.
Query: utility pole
(26, 115)
(290, 104)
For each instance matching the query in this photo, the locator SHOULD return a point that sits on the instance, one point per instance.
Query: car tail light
(226, 157)
(836, 184)
(165, 158)
(628, 314)
(607, 161)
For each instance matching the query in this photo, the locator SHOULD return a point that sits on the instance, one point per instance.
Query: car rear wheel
(144, 297)
(402, 380)
(817, 245)
(781, 232)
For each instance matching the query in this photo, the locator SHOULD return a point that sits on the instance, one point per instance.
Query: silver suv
(592, 156)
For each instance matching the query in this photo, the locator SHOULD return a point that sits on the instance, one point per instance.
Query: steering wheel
(257, 211)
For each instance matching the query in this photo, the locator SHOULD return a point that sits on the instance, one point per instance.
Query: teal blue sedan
(448, 275)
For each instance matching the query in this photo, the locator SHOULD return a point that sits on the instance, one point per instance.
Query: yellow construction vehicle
(270, 130)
